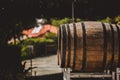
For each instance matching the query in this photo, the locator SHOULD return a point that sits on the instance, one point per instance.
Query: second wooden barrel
(89, 46)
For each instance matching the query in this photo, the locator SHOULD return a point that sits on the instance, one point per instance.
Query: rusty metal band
(63, 46)
(113, 46)
(69, 46)
(75, 45)
(105, 45)
(84, 47)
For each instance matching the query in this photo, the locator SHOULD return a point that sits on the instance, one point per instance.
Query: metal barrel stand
(68, 74)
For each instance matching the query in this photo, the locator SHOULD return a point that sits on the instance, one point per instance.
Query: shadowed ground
(47, 69)
(44, 65)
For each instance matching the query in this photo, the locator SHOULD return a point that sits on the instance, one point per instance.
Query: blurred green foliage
(58, 22)
(49, 38)
(107, 20)
(117, 20)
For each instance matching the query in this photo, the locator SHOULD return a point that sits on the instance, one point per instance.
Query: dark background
(58, 8)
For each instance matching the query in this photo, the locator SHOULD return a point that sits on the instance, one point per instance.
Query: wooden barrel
(89, 46)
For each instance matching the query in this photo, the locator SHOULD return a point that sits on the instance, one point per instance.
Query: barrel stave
(89, 46)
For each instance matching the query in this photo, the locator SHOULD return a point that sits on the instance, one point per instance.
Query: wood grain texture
(102, 46)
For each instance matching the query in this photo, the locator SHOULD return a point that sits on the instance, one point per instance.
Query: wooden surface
(88, 46)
